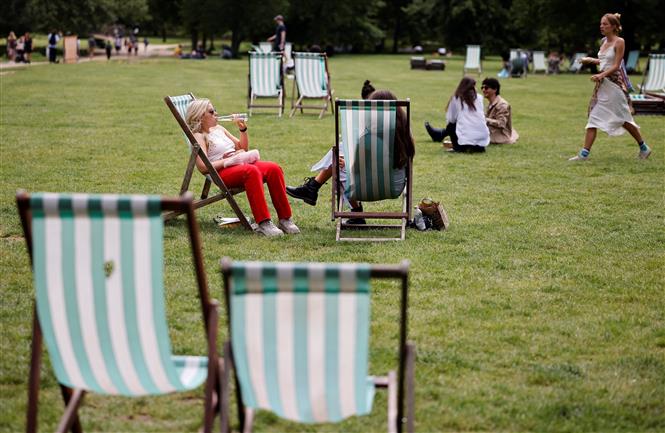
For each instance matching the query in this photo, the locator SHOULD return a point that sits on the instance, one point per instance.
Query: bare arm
(241, 143)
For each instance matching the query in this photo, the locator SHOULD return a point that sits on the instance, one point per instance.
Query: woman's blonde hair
(615, 20)
(195, 111)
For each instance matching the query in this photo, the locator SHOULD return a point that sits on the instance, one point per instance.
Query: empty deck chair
(312, 81)
(539, 62)
(299, 343)
(266, 80)
(633, 61)
(178, 107)
(651, 99)
(576, 63)
(97, 262)
(367, 132)
(288, 58)
(472, 59)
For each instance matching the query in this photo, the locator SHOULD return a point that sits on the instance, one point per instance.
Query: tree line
(353, 25)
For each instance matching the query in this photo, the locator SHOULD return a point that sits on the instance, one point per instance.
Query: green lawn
(541, 309)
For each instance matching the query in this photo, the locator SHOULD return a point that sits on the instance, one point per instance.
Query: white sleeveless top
(606, 58)
(219, 144)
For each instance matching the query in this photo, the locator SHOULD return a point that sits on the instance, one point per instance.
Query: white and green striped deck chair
(312, 81)
(651, 99)
(472, 61)
(97, 263)
(633, 61)
(367, 132)
(539, 62)
(265, 81)
(299, 343)
(576, 63)
(178, 107)
(514, 52)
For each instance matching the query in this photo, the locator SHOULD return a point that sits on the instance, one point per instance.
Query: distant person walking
(27, 41)
(118, 44)
(20, 50)
(108, 47)
(11, 46)
(145, 45)
(610, 107)
(279, 38)
(53, 39)
(91, 46)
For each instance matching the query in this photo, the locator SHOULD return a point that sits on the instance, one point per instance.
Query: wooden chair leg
(249, 421)
(33, 381)
(206, 189)
(213, 372)
(225, 422)
(392, 402)
(410, 387)
(70, 419)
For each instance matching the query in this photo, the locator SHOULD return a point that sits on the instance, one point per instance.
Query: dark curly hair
(367, 89)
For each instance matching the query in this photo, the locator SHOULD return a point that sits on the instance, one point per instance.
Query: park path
(154, 50)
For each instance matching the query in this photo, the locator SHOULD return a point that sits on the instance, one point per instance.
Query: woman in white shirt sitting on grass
(465, 119)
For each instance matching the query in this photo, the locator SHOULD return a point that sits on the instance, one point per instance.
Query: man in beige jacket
(498, 116)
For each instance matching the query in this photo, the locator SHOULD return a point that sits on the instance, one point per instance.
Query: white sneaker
(267, 228)
(288, 227)
(645, 154)
(578, 157)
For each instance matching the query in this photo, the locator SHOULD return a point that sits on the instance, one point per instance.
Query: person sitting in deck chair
(239, 166)
(404, 151)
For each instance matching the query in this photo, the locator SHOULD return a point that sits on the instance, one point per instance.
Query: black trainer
(307, 192)
(357, 221)
(435, 133)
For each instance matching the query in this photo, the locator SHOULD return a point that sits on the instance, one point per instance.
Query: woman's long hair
(466, 92)
(195, 111)
(405, 149)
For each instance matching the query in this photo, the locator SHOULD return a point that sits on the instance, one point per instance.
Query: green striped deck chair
(651, 99)
(265, 80)
(299, 342)
(473, 61)
(576, 63)
(178, 107)
(367, 132)
(633, 61)
(97, 263)
(539, 62)
(312, 81)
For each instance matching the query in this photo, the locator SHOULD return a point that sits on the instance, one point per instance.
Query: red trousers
(251, 177)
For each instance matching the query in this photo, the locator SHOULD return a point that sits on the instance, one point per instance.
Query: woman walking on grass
(610, 108)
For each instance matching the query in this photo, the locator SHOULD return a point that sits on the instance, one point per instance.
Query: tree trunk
(164, 33)
(195, 38)
(235, 41)
(398, 22)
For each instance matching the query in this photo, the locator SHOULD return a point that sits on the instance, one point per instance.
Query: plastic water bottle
(419, 220)
(231, 117)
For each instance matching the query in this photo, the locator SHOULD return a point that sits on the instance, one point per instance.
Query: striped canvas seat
(472, 61)
(368, 140)
(99, 288)
(539, 62)
(178, 106)
(654, 80)
(265, 73)
(99, 294)
(265, 47)
(265, 80)
(300, 336)
(312, 80)
(632, 64)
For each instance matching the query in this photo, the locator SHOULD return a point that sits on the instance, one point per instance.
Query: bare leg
(635, 132)
(589, 138)
(324, 175)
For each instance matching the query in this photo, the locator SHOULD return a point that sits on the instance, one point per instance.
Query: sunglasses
(484, 87)
(212, 111)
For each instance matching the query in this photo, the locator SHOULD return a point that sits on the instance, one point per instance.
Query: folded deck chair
(178, 106)
(266, 80)
(472, 59)
(312, 81)
(576, 63)
(97, 262)
(288, 59)
(651, 99)
(367, 132)
(299, 343)
(633, 62)
(539, 62)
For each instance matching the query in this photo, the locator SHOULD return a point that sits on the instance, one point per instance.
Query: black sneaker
(435, 133)
(307, 192)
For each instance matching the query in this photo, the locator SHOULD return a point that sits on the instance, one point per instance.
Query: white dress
(611, 110)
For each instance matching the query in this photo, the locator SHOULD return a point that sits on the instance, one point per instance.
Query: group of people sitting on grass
(469, 128)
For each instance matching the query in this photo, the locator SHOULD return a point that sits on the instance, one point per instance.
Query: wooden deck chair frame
(225, 193)
(648, 80)
(299, 103)
(73, 397)
(400, 385)
(466, 60)
(252, 97)
(338, 212)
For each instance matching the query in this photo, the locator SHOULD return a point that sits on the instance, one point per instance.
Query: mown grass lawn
(541, 309)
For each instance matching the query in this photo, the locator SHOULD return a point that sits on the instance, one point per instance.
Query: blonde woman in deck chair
(239, 166)
(404, 151)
